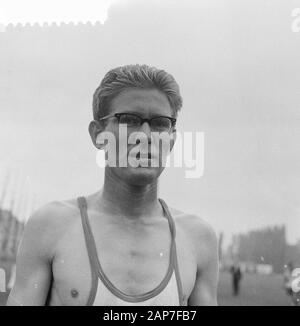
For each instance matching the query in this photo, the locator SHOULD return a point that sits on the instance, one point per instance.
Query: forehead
(146, 101)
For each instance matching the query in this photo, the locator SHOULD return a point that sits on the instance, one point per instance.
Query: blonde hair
(135, 76)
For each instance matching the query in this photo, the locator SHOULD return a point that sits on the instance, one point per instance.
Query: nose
(145, 128)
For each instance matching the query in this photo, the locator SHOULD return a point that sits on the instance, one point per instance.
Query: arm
(33, 272)
(205, 289)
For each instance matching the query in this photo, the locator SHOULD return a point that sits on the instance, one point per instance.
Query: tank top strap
(174, 250)
(96, 268)
(90, 246)
(169, 217)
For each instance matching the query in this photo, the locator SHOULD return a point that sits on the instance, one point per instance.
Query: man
(121, 245)
(236, 278)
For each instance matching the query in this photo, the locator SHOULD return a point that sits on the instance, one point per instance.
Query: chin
(141, 176)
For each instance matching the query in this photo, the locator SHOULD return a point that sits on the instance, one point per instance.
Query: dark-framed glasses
(132, 120)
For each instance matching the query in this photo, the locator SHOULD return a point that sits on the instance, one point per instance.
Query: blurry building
(16, 204)
(266, 249)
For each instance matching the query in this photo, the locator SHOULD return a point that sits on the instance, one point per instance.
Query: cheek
(165, 147)
(172, 144)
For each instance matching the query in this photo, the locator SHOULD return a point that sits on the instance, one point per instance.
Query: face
(147, 104)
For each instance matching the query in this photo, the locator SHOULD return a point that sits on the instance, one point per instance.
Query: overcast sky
(237, 63)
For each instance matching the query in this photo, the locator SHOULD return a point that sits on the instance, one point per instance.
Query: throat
(128, 203)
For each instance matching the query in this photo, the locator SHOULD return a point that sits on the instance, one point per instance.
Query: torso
(134, 257)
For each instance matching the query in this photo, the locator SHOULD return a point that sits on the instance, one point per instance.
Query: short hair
(134, 76)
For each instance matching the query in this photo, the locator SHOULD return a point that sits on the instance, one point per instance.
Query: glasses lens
(130, 120)
(161, 124)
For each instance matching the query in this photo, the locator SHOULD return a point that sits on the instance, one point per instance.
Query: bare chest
(135, 261)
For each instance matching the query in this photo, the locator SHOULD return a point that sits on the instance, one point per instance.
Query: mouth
(144, 156)
(144, 160)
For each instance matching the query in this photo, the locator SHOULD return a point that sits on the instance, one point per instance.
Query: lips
(144, 156)
(140, 155)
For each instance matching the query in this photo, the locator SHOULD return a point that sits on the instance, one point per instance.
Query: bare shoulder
(47, 223)
(199, 231)
(54, 213)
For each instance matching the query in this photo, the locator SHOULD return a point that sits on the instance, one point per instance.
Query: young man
(121, 245)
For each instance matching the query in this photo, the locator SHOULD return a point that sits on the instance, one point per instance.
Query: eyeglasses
(158, 123)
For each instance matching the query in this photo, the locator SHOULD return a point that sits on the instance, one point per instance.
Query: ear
(95, 128)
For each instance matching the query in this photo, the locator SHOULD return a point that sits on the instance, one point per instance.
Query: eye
(161, 123)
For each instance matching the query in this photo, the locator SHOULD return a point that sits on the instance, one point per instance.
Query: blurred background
(237, 64)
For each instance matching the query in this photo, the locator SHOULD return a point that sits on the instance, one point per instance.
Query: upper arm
(206, 284)
(33, 270)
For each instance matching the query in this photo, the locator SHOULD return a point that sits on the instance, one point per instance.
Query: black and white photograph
(150, 154)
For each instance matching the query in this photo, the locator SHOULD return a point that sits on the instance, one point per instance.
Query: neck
(130, 201)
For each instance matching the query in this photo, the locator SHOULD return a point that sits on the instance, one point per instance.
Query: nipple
(74, 293)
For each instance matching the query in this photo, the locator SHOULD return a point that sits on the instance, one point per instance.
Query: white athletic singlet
(104, 293)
